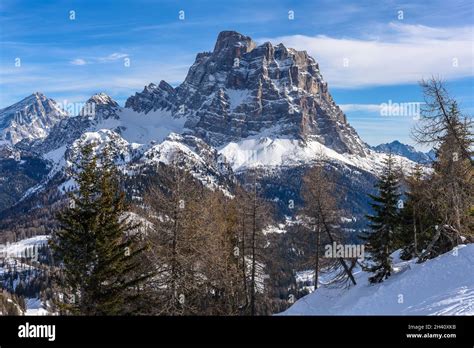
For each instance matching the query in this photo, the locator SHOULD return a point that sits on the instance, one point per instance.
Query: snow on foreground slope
(441, 286)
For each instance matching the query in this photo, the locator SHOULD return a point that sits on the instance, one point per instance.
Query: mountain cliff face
(31, 118)
(241, 90)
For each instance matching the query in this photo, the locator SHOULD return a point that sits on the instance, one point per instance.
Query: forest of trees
(186, 250)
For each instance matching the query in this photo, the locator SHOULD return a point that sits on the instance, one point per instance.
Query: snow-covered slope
(19, 249)
(441, 286)
(281, 152)
(187, 151)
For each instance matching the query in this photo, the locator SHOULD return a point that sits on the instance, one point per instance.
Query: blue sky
(370, 52)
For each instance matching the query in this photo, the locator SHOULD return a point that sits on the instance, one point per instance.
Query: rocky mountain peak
(37, 96)
(166, 87)
(100, 106)
(234, 42)
(102, 99)
(31, 118)
(241, 90)
(408, 151)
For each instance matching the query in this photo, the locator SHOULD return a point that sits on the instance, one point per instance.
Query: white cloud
(78, 61)
(399, 54)
(387, 109)
(103, 59)
(112, 57)
(360, 107)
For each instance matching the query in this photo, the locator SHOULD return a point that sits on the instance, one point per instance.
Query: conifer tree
(384, 223)
(97, 244)
(221, 260)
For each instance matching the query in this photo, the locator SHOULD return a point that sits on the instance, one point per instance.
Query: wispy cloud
(400, 54)
(78, 61)
(111, 57)
(103, 59)
(360, 107)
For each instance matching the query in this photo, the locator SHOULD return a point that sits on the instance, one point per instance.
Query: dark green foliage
(97, 244)
(384, 223)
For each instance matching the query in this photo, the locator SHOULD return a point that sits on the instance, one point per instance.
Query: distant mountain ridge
(241, 106)
(408, 151)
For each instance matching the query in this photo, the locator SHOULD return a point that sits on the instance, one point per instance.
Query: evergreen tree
(97, 243)
(384, 223)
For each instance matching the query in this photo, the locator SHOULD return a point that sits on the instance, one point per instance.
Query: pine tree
(384, 223)
(97, 245)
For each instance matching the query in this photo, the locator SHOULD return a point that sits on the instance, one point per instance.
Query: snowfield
(441, 286)
(22, 247)
(276, 152)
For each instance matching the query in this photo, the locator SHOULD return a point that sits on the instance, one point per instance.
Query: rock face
(100, 107)
(241, 90)
(31, 118)
(152, 98)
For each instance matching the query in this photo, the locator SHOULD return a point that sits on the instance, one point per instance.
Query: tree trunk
(316, 265)
(254, 231)
(415, 242)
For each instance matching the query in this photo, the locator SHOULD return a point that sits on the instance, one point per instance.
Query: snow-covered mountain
(241, 106)
(440, 286)
(31, 118)
(408, 151)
